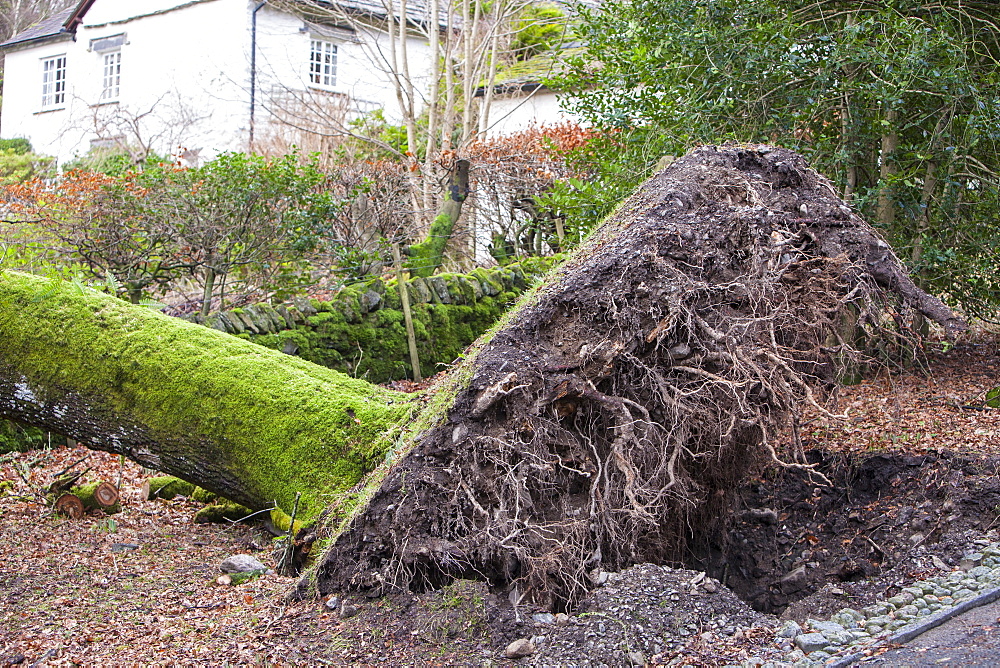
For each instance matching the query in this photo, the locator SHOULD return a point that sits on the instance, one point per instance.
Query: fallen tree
(613, 411)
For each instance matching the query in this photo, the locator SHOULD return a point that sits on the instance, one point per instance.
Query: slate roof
(50, 27)
(417, 11)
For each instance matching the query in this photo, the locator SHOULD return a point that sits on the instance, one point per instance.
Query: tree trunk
(245, 422)
(886, 211)
(617, 407)
(428, 255)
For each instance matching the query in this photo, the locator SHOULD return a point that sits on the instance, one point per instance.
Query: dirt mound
(623, 403)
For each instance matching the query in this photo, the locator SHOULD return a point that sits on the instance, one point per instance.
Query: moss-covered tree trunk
(427, 255)
(243, 421)
(616, 407)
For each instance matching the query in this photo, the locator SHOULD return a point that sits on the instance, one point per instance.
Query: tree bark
(428, 255)
(615, 410)
(245, 422)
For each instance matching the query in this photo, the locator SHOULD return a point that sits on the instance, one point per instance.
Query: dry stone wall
(361, 331)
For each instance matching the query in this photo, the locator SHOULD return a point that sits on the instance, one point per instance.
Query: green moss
(168, 487)
(216, 513)
(373, 346)
(426, 256)
(281, 424)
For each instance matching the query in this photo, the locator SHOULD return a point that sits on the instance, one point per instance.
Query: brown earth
(914, 472)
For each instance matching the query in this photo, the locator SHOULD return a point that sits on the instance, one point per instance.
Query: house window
(112, 76)
(54, 81)
(322, 63)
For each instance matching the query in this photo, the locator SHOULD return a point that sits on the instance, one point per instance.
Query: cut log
(98, 495)
(71, 506)
(104, 493)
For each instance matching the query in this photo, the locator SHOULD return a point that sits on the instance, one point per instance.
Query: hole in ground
(800, 548)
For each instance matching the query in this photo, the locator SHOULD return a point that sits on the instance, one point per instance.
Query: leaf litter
(140, 586)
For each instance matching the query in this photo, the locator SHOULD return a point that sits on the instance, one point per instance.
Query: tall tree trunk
(427, 256)
(886, 211)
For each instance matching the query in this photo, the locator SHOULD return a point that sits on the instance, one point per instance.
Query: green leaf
(993, 398)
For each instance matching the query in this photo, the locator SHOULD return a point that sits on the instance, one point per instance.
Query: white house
(195, 77)
(520, 98)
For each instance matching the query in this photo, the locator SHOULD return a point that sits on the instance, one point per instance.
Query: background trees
(896, 101)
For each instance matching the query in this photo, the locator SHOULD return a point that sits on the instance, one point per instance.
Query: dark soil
(626, 400)
(883, 518)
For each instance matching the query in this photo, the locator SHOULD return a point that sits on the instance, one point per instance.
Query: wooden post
(411, 338)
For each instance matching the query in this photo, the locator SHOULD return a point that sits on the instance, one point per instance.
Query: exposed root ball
(614, 415)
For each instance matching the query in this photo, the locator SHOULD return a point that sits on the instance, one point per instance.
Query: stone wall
(361, 331)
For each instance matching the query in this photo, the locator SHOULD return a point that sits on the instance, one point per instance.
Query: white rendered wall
(363, 69)
(513, 113)
(183, 82)
(185, 78)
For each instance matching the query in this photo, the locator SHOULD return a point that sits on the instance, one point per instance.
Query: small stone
(971, 560)
(963, 594)
(241, 563)
(789, 629)
(348, 609)
(901, 599)
(820, 656)
(544, 617)
(332, 603)
(224, 580)
(710, 587)
(825, 627)
(124, 547)
(636, 658)
(980, 572)
(811, 642)
(538, 640)
(793, 581)
(562, 618)
(520, 648)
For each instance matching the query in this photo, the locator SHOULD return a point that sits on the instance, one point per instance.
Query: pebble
(241, 563)
(520, 648)
(850, 631)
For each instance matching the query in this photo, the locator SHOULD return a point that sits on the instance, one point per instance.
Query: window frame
(54, 88)
(111, 82)
(322, 73)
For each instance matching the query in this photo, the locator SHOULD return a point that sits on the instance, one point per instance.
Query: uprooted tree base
(611, 418)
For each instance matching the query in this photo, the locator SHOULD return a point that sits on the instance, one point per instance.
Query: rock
(348, 610)
(794, 581)
(763, 515)
(562, 618)
(825, 627)
(790, 629)
(241, 563)
(636, 658)
(124, 547)
(811, 642)
(971, 560)
(332, 603)
(544, 617)
(710, 587)
(224, 580)
(938, 563)
(518, 649)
